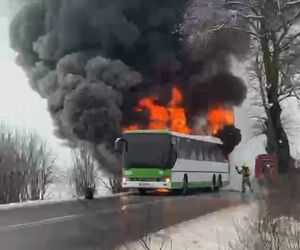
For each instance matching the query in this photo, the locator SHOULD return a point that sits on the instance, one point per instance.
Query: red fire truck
(266, 168)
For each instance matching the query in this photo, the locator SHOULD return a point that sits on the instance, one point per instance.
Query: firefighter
(245, 172)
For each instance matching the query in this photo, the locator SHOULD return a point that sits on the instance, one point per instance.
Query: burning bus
(169, 155)
(169, 161)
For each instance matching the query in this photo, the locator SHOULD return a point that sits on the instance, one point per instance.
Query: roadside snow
(48, 202)
(210, 232)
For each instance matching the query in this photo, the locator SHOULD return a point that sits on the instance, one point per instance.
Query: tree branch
(288, 43)
(291, 3)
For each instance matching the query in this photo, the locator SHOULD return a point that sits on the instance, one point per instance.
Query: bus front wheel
(185, 185)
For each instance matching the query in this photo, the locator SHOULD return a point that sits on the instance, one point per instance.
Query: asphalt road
(103, 224)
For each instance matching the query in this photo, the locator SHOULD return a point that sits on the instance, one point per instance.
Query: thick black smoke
(219, 89)
(93, 60)
(230, 136)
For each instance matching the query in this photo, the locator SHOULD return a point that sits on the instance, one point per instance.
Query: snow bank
(209, 232)
(49, 202)
(61, 188)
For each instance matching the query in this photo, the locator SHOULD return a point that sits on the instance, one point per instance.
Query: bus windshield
(148, 150)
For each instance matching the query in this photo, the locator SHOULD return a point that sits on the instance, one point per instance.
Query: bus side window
(189, 148)
(205, 153)
(200, 154)
(208, 153)
(212, 154)
(182, 149)
(219, 154)
(193, 155)
(216, 153)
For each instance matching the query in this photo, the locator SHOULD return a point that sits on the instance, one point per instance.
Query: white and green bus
(169, 161)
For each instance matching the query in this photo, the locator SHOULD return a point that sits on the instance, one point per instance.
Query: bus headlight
(168, 180)
(124, 179)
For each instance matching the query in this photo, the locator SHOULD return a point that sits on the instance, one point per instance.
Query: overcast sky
(19, 105)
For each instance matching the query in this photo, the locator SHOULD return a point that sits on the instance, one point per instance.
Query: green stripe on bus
(202, 184)
(147, 172)
(178, 185)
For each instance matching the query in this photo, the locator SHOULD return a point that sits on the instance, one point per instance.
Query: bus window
(219, 155)
(200, 154)
(213, 154)
(208, 154)
(183, 153)
(182, 149)
(193, 155)
(174, 156)
(148, 151)
(205, 154)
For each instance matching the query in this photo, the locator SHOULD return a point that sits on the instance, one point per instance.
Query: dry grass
(277, 223)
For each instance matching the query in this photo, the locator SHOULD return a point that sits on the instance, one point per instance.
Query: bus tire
(142, 191)
(214, 187)
(185, 185)
(220, 182)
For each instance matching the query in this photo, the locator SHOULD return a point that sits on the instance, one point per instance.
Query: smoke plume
(230, 136)
(93, 60)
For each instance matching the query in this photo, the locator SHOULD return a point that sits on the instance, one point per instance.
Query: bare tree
(86, 172)
(41, 160)
(273, 26)
(13, 185)
(84, 169)
(105, 158)
(29, 163)
(112, 184)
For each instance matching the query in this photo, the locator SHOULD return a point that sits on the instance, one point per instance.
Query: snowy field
(213, 231)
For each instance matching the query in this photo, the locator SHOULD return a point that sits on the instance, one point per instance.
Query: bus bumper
(146, 184)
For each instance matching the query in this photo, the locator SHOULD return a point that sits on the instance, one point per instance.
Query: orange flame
(172, 117)
(218, 117)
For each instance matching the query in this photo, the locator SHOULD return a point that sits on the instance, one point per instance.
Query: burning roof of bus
(104, 66)
(173, 116)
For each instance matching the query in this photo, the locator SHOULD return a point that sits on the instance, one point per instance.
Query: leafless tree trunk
(115, 185)
(274, 28)
(41, 161)
(83, 170)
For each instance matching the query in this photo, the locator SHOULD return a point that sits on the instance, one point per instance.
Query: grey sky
(19, 105)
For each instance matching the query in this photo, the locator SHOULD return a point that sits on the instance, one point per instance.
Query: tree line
(28, 166)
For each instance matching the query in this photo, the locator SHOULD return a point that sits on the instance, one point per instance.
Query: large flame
(171, 117)
(218, 117)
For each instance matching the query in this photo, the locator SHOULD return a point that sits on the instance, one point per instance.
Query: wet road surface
(103, 224)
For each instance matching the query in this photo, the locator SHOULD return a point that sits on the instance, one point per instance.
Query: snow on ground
(210, 232)
(52, 201)
(60, 190)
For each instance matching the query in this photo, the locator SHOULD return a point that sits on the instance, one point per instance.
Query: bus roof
(204, 138)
